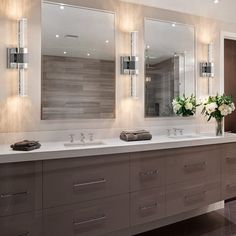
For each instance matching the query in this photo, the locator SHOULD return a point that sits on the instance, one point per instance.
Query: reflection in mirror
(78, 63)
(169, 66)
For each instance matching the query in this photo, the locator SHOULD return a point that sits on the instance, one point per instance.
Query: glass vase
(219, 127)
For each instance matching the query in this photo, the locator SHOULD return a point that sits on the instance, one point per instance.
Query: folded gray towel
(135, 135)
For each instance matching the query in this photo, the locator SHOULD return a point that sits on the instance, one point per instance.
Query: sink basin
(190, 136)
(84, 144)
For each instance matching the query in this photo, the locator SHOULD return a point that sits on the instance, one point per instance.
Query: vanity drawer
(20, 187)
(199, 163)
(147, 206)
(147, 170)
(92, 218)
(83, 179)
(21, 225)
(229, 160)
(181, 197)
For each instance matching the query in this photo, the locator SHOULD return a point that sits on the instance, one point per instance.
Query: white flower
(188, 106)
(232, 106)
(225, 110)
(176, 107)
(210, 108)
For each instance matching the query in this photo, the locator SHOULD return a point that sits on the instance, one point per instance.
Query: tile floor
(218, 223)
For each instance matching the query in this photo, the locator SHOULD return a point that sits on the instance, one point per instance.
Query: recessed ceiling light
(62, 7)
(57, 35)
(216, 1)
(65, 52)
(173, 24)
(148, 46)
(88, 54)
(107, 41)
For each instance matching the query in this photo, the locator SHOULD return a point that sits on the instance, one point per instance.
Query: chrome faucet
(72, 138)
(82, 138)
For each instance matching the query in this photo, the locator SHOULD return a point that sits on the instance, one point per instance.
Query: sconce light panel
(207, 69)
(129, 65)
(17, 58)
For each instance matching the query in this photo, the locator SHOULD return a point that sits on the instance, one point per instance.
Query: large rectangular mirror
(169, 65)
(78, 63)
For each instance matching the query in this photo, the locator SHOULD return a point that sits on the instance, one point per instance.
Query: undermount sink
(190, 136)
(84, 144)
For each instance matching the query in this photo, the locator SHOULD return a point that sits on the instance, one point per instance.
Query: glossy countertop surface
(57, 150)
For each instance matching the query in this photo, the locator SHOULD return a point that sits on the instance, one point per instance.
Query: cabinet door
(229, 171)
(198, 163)
(29, 224)
(147, 206)
(76, 180)
(20, 187)
(92, 218)
(183, 197)
(147, 170)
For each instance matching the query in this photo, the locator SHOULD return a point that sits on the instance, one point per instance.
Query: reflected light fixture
(207, 67)
(62, 7)
(129, 65)
(17, 58)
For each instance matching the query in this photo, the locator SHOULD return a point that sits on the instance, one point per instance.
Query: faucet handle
(168, 132)
(72, 138)
(82, 137)
(91, 137)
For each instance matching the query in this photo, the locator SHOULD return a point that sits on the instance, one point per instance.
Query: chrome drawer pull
(196, 166)
(149, 207)
(25, 234)
(102, 181)
(195, 197)
(92, 220)
(231, 186)
(230, 159)
(10, 195)
(149, 173)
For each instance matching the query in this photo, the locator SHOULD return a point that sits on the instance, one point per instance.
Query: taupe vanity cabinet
(99, 195)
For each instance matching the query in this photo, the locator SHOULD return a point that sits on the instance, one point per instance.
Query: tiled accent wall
(77, 88)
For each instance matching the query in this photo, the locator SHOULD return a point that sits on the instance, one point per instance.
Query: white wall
(23, 114)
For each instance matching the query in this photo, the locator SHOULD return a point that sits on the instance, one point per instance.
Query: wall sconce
(207, 68)
(129, 65)
(17, 58)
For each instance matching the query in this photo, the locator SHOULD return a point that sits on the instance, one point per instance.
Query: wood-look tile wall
(77, 88)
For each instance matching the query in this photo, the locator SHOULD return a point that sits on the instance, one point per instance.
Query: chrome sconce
(207, 68)
(17, 58)
(129, 65)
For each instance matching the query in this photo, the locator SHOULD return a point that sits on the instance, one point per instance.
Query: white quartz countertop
(57, 150)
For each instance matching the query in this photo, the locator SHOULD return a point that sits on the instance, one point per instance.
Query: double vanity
(115, 188)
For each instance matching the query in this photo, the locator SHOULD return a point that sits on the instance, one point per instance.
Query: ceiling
(95, 31)
(224, 10)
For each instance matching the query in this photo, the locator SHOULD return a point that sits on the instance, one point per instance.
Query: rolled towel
(26, 145)
(138, 135)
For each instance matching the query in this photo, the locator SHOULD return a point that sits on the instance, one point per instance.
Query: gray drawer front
(88, 219)
(191, 195)
(77, 180)
(146, 171)
(21, 225)
(192, 164)
(147, 206)
(20, 188)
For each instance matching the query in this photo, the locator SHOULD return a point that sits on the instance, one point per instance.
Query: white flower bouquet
(185, 106)
(218, 107)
